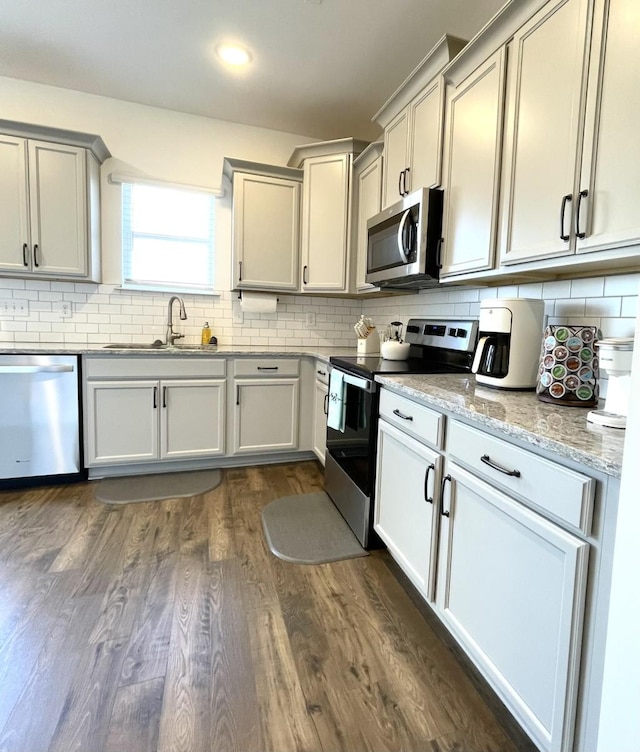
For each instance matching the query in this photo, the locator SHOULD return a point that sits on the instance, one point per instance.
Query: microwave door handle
(404, 252)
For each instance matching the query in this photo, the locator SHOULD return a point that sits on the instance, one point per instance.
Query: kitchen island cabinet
(320, 410)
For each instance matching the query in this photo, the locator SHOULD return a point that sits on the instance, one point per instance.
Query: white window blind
(167, 238)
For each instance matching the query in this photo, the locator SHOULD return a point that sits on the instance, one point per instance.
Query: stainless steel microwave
(404, 241)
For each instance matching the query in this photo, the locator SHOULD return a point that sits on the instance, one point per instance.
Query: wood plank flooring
(169, 627)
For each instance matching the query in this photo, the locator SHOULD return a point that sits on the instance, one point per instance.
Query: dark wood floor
(169, 626)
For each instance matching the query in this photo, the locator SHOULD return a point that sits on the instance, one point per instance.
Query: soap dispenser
(206, 334)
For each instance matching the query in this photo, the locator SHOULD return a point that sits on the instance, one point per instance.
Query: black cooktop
(370, 365)
(437, 346)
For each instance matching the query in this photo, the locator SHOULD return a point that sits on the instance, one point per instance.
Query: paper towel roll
(258, 302)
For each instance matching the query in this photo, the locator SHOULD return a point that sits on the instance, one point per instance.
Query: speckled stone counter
(322, 353)
(563, 431)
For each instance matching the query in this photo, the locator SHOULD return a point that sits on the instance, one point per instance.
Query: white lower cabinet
(407, 479)
(503, 563)
(266, 397)
(320, 407)
(511, 588)
(142, 421)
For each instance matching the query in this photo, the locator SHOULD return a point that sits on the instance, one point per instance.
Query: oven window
(383, 251)
(353, 450)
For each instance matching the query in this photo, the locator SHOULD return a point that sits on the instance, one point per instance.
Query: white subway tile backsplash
(105, 313)
(587, 288)
(603, 307)
(623, 284)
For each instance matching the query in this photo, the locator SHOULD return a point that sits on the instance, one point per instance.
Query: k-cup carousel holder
(568, 371)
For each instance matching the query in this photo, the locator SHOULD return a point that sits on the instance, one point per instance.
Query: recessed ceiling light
(233, 54)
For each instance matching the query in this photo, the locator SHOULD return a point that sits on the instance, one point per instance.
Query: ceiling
(321, 68)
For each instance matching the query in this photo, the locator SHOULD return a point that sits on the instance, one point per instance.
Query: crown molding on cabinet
(325, 149)
(231, 165)
(90, 141)
(445, 50)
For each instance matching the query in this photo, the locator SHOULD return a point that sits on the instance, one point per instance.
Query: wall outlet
(238, 316)
(63, 308)
(310, 318)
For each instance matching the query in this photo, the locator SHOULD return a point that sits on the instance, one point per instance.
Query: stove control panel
(459, 334)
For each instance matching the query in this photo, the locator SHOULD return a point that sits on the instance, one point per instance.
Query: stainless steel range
(437, 346)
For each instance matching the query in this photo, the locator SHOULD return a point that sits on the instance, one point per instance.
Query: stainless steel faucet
(171, 335)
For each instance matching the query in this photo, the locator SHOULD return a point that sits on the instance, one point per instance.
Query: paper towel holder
(240, 296)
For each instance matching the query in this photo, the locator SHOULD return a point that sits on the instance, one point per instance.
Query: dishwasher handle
(36, 369)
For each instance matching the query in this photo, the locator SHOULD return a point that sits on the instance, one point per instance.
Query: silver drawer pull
(487, 461)
(400, 415)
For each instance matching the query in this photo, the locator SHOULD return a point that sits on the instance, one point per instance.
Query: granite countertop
(321, 353)
(564, 431)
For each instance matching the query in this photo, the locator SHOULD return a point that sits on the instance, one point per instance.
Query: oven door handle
(365, 384)
(402, 250)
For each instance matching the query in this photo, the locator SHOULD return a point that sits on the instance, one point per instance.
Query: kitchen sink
(136, 346)
(161, 346)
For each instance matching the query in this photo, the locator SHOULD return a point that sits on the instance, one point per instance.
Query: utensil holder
(568, 372)
(369, 345)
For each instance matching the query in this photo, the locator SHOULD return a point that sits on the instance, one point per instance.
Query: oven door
(354, 449)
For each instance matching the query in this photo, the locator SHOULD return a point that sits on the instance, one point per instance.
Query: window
(167, 238)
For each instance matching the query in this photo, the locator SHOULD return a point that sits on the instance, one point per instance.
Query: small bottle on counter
(206, 334)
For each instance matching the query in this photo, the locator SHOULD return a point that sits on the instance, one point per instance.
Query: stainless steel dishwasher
(39, 417)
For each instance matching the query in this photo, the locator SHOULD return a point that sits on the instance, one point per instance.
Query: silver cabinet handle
(401, 415)
(488, 461)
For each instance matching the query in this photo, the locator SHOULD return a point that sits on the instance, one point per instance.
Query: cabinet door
(266, 415)
(544, 124)
(192, 418)
(408, 475)
(58, 209)
(14, 227)
(325, 223)
(320, 420)
(511, 587)
(425, 138)
(266, 232)
(368, 192)
(472, 168)
(121, 422)
(609, 212)
(396, 140)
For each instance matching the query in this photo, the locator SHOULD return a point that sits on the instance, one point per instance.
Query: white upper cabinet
(412, 122)
(471, 172)
(545, 88)
(609, 181)
(367, 193)
(49, 203)
(266, 225)
(326, 213)
(325, 222)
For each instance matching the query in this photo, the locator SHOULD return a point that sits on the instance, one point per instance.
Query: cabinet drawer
(419, 421)
(266, 367)
(322, 371)
(558, 492)
(153, 367)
